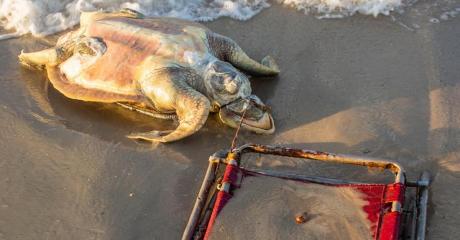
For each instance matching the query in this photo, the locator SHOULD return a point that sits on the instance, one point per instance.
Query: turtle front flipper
(149, 112)
(152, 136)
(228, 50)
(192, 107)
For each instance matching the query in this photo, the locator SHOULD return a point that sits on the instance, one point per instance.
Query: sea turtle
(165, 67)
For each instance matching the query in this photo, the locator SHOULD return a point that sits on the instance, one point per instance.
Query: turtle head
(230, 91)
(256, 119)
(224, 83)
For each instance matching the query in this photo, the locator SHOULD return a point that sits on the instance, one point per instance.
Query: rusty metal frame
(214, 161)
(397, 169)
(235, 155)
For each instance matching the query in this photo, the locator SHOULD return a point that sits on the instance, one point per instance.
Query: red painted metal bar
(223, 196)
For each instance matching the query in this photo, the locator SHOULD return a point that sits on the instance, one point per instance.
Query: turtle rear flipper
(228, 50)
(51, 56)
(38, 60)
(270, 62)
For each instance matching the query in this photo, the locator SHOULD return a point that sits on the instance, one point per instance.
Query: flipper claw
(152, 136)
(270, 62)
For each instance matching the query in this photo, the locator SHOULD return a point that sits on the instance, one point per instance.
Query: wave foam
(44, 17)
(343, 8)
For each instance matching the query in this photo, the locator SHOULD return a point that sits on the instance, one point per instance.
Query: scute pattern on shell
(132, 42)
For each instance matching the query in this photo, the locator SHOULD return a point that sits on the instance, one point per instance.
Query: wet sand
(265, 208)
(358, 85)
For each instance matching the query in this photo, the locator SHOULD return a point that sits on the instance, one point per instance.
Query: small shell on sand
(301, 218)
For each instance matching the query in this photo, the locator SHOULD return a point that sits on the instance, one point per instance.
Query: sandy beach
(359, 85)
(263, 208)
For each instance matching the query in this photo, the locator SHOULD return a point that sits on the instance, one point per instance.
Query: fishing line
(246, 106)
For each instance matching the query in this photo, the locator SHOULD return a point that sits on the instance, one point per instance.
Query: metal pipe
(327, 157)
(413, 227)
(200, 201)
(298, 177)
(202, 225)
(422, 206)
(223, 195)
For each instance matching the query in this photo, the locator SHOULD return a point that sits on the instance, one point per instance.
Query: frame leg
(422, 203)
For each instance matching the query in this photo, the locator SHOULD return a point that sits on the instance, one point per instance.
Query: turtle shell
(130, 47)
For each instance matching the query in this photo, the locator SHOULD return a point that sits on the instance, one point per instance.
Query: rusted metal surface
(326, 157)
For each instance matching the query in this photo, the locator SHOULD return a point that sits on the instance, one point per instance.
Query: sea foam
(44, 17)
(343, 8)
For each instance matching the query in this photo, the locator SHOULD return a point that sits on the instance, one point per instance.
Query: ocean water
(45, 17)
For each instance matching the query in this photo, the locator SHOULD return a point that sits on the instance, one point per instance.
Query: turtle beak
(256, 119)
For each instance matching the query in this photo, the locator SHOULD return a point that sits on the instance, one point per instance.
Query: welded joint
(396, 206)
(224, 187)
(232, 162)
(214, 159)
(218, 157)
(423, 183)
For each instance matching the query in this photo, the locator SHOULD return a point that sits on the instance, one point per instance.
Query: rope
(239, 126)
